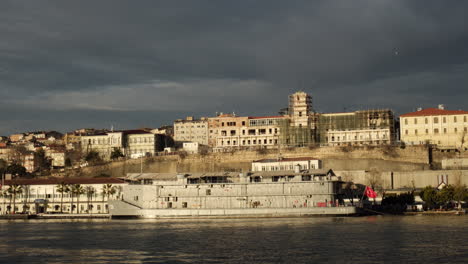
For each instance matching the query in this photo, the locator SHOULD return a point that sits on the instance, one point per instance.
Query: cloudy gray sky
(73, 64)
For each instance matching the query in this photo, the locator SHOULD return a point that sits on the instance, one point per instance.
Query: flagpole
(362, 197)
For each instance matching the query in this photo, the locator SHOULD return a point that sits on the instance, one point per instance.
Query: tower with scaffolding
(305, 127)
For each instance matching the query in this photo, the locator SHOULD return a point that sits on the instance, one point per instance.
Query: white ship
(253, 194)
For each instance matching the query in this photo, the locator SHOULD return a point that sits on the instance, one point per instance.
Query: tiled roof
(285, 159)
(54, 181)
(434, 112)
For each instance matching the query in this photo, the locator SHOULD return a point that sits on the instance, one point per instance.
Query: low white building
(191, 147)
(281, 164)
(34, 196)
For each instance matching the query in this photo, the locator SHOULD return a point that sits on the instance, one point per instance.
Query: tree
(18, 153)
(16, 169)
(3, 166)
(90, 191)
(429, 196)
(77, 190)
(107, 191)
(62, 188)
(14, 190)
(460, 194)
(93, 157)
(116, 153)
(445, 195)
(68, 162)
(43, 161)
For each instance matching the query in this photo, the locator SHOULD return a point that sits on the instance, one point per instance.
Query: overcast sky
(73, 64)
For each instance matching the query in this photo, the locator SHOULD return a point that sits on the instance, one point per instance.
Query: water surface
(400, 239)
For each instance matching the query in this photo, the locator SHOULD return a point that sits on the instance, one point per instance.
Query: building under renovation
(298, 126)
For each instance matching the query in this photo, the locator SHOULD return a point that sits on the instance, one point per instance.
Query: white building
(132, 143)
(281, 164)
(191, 130)
(42, 195)
(191, 147)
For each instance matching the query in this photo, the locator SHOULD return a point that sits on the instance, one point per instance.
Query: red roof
(264, 117)
(434, 112)
(54, 181)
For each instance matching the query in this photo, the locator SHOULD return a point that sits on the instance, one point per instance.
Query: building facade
(132, 143)
(282, 164)
(368, 127)
(447, 129)
(191, 130)
(34, 196)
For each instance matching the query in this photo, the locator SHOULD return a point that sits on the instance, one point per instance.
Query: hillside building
(447, 129)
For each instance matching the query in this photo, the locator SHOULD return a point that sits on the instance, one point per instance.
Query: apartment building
(228, 131)
(191, 130)
(448, 129)
(132, 143)
(368, 127)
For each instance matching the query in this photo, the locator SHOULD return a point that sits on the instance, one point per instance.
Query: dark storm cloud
(158, 60)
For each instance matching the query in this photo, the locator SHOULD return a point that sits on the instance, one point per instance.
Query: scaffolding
(318, 125)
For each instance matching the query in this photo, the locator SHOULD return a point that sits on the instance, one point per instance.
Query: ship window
(184, 205)
(208, 191)
(174, 199)
(169, 205)
(166, 199)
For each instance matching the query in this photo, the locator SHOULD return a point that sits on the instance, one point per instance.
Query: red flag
(369, 192)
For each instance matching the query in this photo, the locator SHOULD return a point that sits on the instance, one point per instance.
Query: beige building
(282, 164)
(228, 131)
(191, 130)
(132, 143)
(368, 127)
(448, 129)
(140, 144)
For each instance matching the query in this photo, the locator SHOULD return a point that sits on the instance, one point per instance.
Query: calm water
(408, 239)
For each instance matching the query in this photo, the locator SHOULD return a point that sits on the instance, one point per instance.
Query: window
(406, 132)
(455, 130)
(415, 131)
(427, 131)
(243, 123)
(455, 119)
(184, 205)
(445, 130)
(444, 119)
(436, 131)
(415, 121)
(208, 191)
(426, 121)
(406, 121)
(464, 119)
(436, 120)
(300, 113)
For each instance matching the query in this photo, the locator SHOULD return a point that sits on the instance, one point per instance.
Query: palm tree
(62, 188)
(13, 191)
(78, 190)
(107, 191)
(3, 194)
(90, 191)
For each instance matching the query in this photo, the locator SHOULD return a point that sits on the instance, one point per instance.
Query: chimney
(419, 109)
(441, 107)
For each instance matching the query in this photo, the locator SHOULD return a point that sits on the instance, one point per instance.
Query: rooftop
(434, 112)
(285, 159)
(56, 181)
